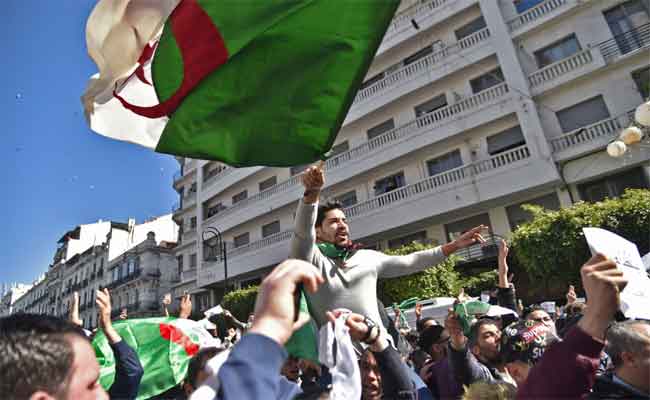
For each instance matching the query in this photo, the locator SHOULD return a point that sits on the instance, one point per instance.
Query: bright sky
(54, 171)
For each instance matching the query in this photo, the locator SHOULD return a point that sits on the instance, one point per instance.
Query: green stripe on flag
(283, 94)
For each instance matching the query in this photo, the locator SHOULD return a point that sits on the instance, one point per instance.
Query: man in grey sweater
(323, 239)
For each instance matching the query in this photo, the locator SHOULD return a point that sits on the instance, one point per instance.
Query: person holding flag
(322, 238)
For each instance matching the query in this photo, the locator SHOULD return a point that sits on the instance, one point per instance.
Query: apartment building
(470, 109)
(11, 294)
(134, 260)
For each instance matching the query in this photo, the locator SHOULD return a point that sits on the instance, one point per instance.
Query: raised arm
(391, 266)
(304, 233)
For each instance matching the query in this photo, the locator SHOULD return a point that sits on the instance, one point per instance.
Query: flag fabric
(164, 347)
(242, 82)
(303, 343)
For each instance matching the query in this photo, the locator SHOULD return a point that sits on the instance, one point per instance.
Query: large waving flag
(244, 82)
(164, 347)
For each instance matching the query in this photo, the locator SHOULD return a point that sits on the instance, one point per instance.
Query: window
(466, 30)
(642, 80)
(430, 105)
(339, 148)
(506, 140)
(347, 199)
(192, 260)
(583, 114)
(418, 55)
(192, 189)
(193, 222)
(215, 209)
(271, 228)
(613, 185)
(268, 183)
(518, 216)
(486, 80)
(239, 196)
(444, 163)
(242, 240)
(557, 51)
(624, 21)
(420, 237)
(455, 229)
(380, 129)
(131, 266)
(389, 183)
(180, 263)
(298, 169)
(371, 81)
(524, 5)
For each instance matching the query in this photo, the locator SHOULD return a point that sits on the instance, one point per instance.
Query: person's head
(425, 323)
(251, 318)
(575, 309)
(331, 224)
(490, 391)
(46, 358)
(434, 340)
(196, 372)
(628, 345)
(371, 388)
(291, 369)
(483, 340)
(538, 314)
(522, 345)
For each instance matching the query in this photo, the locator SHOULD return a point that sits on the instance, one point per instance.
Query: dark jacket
(607, 388)
(467, 369)
(396, 382)
(567, 370)
(507, 298)
(128, 372)
(442, 384)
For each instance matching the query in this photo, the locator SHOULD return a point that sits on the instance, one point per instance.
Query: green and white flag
(244, 82)
(164, 347)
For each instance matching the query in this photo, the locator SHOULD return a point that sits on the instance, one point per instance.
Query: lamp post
(216, 246)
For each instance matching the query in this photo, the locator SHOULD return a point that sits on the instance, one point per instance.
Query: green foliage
(551, 247)
(475, 284)
(240, 302)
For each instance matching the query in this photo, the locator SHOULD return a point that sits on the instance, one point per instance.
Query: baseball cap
(525, 341)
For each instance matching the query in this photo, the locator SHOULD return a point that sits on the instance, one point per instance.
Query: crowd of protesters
(582, 351)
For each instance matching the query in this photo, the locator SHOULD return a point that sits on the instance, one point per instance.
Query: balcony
(422, 72)
(588, 138)
(439, 182)
(539, 14)
(260, 253)
(188, 275)
(626, 44)
(426, 13)
(565, 70)
(133, 275)
(189, 199)
(228, 177)
(414, 135)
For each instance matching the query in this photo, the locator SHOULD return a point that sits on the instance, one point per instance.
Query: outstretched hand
(73, 312)
(103, 301)
(313, 179)
(186, 306)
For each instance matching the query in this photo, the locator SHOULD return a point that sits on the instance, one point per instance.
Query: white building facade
(470, 109)
(86, 258)
(10, 296)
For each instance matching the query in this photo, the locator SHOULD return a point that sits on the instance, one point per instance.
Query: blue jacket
(252, 371)
(128, 372)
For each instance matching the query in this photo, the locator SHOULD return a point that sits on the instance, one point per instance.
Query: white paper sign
(213, 311)
(635, 298)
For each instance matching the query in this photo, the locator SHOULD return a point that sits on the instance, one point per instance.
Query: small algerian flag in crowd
(244, 82)
(164, 347)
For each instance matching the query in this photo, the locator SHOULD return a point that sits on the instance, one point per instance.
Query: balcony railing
(260, 244)
(534, 13)
(442, 180)
(403, 19)
(625, 43)
(559, 68)
(420, 66)
(218, 175)
(124, 279)
(606, 128)
(188, 275)
(478, 251)
(418, 125)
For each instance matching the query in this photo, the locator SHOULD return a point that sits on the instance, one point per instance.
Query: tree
(551, 247)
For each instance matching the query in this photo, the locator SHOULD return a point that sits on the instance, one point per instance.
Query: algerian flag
(164, 347)
(244, 82)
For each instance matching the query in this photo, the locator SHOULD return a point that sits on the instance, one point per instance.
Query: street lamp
(216, 250)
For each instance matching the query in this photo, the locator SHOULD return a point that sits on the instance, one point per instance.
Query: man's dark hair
(198, 362)
(472, 338)
(532, 308)
(35, 355)
(325, 208)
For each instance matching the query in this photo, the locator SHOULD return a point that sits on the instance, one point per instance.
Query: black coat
(605, 389)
